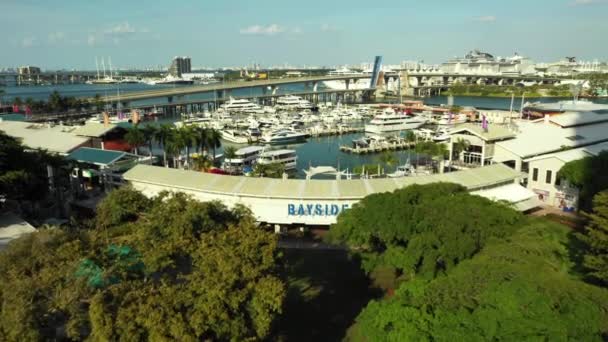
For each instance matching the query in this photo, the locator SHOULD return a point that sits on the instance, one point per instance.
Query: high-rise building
(29, 70)
(179, 66)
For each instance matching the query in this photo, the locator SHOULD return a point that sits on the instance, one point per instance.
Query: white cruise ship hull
(341, 85)
(379, 129)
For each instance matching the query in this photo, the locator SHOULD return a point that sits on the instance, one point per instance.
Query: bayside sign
(316, 209)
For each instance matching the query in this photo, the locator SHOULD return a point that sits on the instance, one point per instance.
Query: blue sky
(70, 33)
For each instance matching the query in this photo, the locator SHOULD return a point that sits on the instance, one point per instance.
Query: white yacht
(574, 105)
(284, 136)
(389, 121)
(234, 136)
(240, 105)
(288, 158)
(293, 102)
(452, 119)
(244, 157)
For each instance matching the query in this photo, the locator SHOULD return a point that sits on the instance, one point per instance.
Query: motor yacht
(244, 157)
(452, 119)
(235, 136)
(240, 105)
(288, 158)
(389, 121)
(284, 136)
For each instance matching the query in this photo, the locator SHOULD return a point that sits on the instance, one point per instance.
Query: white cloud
(486, 18)
(587, 2)
(28, 42)
(269, 30)
(56, 37)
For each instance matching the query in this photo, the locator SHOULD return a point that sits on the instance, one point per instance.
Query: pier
(395, 146)
(334, 131)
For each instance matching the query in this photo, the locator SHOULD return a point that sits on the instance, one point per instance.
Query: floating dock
(334, 131)
(379, 148)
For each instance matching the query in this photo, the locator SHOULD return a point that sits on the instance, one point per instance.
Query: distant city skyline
(69, 34)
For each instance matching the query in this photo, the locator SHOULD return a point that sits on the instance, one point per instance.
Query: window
(535, 174)
(548, 178)
(558, 181)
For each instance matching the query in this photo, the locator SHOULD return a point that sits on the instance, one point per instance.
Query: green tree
(98, 102)
(229, 152)
(518, 289)
(589, 174)
(461, 145)
(200, 139)
(208, 273)
(135, 137)
(388, 159)
(174, 145)
(274, 170)
(162, 136)
(214, 140)
(149, 132)
(422, 230)
(595, 238)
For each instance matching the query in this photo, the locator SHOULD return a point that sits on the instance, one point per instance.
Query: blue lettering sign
(316, 209)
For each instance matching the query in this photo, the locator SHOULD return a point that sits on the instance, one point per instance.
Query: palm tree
(214, 140)
(229, 152)
(149, 132)
(135, 137)
(162, 136)
(174, 145)
(187, 138)
(98, 102)
(388, 159)
(201, 163)
(460, 146)
(200, 138)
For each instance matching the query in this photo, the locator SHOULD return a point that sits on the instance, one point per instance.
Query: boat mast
(103, 66)
(97, 67)
(110, 61)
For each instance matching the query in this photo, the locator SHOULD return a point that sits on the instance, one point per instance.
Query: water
(322, 151)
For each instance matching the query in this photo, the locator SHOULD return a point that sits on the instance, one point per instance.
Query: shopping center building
(317, 202)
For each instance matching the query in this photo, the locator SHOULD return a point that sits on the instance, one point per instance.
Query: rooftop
(96, 156)
(473, 179)
(94, 129)
(493, 133)
(538, 138)
(56, 139)
(571, 119)
(574, 154)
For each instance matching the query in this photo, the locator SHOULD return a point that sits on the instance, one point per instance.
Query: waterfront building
(543, 176)
(179, 66)
(549, 135)
(480, 141)
(315, 202)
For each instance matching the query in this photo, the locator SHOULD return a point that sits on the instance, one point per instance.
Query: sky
(135, 33)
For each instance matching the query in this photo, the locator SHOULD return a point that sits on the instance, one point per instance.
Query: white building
(314, 202)
(550, 135)
(543, 176)
(481, 143)
(53, 138)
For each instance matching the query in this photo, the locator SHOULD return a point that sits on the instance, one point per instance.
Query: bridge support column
(274, 89)
(347, 82)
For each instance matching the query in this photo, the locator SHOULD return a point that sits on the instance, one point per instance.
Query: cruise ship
(575, 105)
(284, 136)
(288, 158)
(389, 121)
(244, 157)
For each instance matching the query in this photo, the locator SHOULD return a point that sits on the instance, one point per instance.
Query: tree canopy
(166, 268)
(516, 289)
(595, 239)
(421, 230)
(589, 174)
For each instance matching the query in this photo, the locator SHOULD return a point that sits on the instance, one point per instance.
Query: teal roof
(95, 156)
(12, 117)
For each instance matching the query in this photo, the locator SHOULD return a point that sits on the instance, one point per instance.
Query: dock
(334, 131)
(396, 146)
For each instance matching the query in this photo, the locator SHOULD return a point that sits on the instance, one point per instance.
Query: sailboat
(107, 79)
